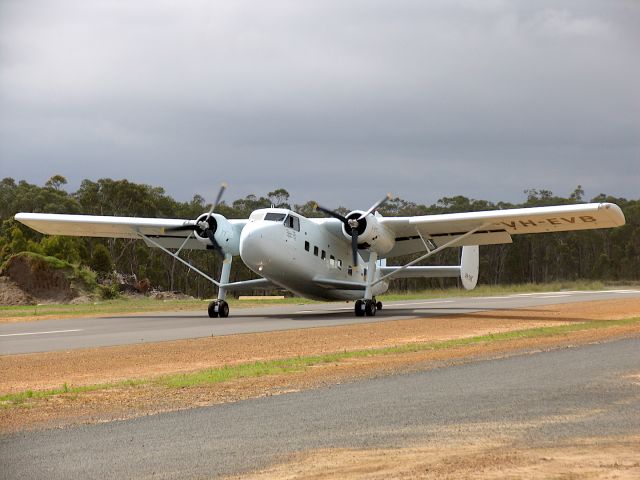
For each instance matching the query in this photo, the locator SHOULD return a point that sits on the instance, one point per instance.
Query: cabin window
(332, 261)
(274, 217)
(324, 255)
(339, 263)
(293, 222)
(315, 250)
(365, 274)
(350, 270)
(306, 246)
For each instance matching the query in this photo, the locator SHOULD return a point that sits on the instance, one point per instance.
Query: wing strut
(177, 257)
(426, 245)
(219, 307)
(430, 252)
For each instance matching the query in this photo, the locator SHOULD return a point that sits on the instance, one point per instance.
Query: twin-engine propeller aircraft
(338, 258)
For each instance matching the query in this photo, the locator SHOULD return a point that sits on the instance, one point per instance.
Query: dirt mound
(30, 278)
(12, 294)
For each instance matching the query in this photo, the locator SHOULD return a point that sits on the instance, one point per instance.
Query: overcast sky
(334, 100)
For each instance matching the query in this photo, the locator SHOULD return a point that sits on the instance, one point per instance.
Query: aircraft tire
(370, 308)
(378, 305)
(359, 311)
(211, 310)
(223, 309)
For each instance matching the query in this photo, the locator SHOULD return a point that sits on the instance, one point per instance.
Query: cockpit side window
(292, 222)
(274, 217)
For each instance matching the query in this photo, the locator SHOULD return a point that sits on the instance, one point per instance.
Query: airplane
(335, 258)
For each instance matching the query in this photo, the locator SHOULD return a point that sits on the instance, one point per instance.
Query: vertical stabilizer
(469, 266)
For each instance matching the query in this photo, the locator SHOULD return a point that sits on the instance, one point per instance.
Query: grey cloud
(335, 101)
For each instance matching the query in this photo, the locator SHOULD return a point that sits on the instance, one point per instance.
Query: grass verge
(296, 364)
(128, 305)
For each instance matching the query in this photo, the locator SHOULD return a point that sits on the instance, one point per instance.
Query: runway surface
(586, 391)
(51, 335)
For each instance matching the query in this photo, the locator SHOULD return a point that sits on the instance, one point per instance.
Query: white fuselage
(294, 252)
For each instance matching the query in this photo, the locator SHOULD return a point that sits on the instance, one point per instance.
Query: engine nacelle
(224, 233)
(371, 235)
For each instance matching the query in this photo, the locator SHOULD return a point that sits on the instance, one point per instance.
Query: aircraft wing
(113, 227)
(496, 226)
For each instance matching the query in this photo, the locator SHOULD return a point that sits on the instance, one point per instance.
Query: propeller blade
(211, 235)
(331, 213)
(195, 226)
(387, 197)
(354, 245)
(223, 187)
(212, 239)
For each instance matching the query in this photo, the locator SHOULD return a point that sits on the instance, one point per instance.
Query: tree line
(611, 254)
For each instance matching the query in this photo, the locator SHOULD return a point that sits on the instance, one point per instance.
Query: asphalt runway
(53, 335)
(586, 391)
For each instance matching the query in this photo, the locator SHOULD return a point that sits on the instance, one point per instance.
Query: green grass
(297, 364)
(42, 261)
(131, 305)
(146, 304)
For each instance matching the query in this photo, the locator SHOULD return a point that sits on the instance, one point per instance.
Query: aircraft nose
(254, 243)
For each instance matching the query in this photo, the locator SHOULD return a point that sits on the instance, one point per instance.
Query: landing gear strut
(369, 305)
(218, 308)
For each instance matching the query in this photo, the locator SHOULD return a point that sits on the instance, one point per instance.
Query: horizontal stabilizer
(467, 271)
(421, 272)
(257, 284)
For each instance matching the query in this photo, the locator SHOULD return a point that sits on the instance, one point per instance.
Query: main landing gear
(218, 308)
(367, 307)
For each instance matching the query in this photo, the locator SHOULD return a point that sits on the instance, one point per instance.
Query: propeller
(352, 225)
(204, 226)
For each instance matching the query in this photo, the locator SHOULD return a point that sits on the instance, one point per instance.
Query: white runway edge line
(39, 333)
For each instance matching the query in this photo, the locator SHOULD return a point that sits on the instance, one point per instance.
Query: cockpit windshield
(275, 217)
(289, 221)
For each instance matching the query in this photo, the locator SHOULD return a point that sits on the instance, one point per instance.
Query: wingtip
(615, 213)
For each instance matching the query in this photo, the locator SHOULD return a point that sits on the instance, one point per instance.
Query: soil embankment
(28, 279)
